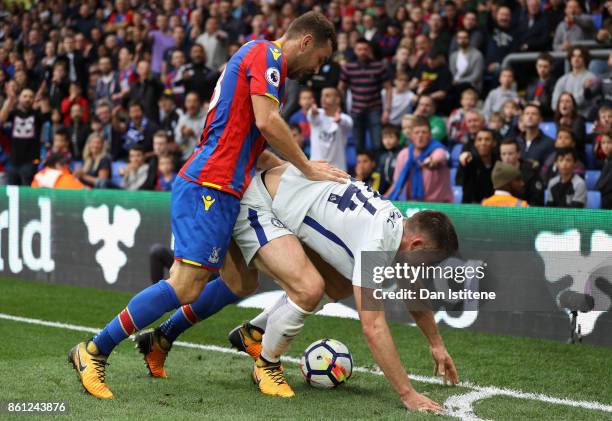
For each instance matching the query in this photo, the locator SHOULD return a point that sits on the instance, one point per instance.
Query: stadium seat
(453, 174)
(593, 200)
(457, 193)
(590, 157)
(115, 177)
(588, 127)
(549, 129)
(591, 177)
(597, 20)
(456, 151)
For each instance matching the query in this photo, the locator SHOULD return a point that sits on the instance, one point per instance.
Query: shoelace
(100, 366)
(276, 374)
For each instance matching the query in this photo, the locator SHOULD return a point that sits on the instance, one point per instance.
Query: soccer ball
(326, 364)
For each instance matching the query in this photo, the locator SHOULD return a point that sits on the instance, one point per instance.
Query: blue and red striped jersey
(230, 142)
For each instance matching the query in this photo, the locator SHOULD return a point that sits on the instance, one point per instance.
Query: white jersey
(338, 221)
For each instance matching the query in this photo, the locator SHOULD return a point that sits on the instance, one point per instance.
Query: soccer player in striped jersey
(244, 113)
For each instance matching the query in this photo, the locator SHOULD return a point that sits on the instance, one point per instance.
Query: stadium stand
(81, 68)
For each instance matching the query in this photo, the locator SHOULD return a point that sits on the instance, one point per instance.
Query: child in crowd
(496, 122)
(365, 170)
(165, 172)
(564, 140)
(330, 129)
(403, 98)
(604, 183)
(61, 147)
(602, 125)
(388, 158)
(407, 121)
(511, 112)
(498, 96)
(566, 190)
(136, 172)
(296, 135)
(305, 100)
(455, 125)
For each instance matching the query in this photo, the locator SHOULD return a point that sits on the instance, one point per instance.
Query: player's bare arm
(268, 160)
(379, 339)
(276, 131)
(337, 287)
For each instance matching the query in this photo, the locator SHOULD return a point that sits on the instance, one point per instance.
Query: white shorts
(256, 224)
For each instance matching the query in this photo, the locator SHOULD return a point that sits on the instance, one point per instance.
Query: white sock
(261, 320)
(283, 325)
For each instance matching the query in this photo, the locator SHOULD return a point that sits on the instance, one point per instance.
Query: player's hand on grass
(324, 171)
(444, 365)
(416, 402)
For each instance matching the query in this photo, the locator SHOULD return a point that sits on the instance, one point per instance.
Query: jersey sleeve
(265, 72)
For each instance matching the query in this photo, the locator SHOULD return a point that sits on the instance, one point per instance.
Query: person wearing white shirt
(403, 99)
(329, 129)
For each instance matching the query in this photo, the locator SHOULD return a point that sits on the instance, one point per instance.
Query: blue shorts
(202, 220)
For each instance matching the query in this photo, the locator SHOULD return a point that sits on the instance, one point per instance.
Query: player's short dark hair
(419, 121)
(511, 141)
(438, 227)
(546, 57)
(306, 89)
(561, 152)
(390, 130)
(138, 147)
(296, 127)
(367, 153)
(317, 25)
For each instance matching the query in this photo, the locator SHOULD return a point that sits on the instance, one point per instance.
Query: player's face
(309, 59)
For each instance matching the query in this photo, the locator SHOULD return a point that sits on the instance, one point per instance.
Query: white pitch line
(463, 410)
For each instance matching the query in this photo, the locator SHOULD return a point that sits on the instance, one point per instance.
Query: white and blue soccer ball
(326, 364)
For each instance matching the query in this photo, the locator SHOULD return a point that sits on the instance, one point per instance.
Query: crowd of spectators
(415, 101)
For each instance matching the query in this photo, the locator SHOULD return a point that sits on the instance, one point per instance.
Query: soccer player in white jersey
(337, 221)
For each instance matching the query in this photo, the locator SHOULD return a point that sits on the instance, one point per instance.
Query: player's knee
(310, 294)
(188, 283)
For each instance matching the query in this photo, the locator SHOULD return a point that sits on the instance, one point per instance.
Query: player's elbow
(264, 123)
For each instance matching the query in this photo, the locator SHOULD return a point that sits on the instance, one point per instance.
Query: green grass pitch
(207, 384)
